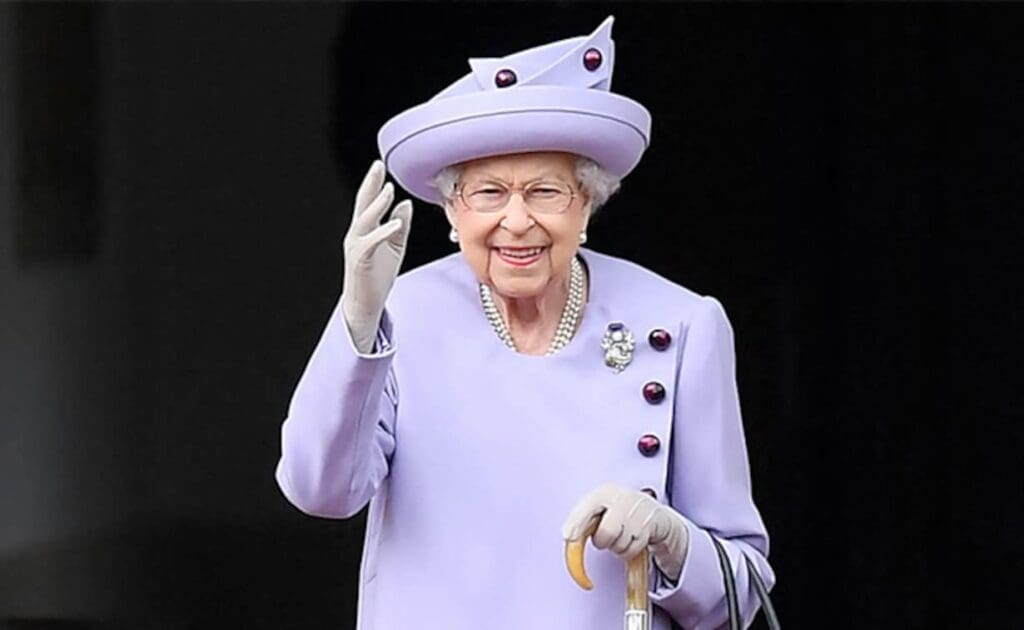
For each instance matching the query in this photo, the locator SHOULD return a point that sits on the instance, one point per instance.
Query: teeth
(521, 253)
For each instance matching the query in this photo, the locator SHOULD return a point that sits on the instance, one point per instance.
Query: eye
(545, 192)
(487, 192)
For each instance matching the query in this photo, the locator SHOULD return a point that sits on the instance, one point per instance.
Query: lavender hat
(553, 97)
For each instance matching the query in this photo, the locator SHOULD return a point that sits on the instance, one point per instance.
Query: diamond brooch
(618, 345)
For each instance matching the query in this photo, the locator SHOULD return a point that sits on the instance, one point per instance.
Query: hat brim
(610, 129)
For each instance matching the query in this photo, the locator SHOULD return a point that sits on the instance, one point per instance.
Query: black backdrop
(845, 179)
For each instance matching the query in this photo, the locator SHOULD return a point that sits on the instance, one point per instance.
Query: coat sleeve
(338, 437)
(710, 481)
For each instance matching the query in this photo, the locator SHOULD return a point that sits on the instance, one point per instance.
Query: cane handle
(574, 556)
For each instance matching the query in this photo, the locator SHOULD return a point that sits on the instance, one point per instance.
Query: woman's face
(499, 245)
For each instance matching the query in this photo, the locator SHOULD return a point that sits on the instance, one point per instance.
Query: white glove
(630, 520)
(373, 255)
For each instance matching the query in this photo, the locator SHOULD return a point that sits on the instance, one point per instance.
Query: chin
(519, 288)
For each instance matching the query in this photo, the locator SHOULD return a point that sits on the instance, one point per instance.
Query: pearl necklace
(566, 325)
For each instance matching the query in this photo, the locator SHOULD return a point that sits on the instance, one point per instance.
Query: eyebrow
(499, 180)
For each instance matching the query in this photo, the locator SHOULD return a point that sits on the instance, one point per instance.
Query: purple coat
(471, 456)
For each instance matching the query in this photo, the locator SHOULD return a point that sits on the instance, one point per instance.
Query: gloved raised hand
(373, 255)
(629, 520)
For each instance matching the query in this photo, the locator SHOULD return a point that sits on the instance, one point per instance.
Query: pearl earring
(453, 236)
(583, 237)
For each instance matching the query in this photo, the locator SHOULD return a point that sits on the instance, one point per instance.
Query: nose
(517, 217)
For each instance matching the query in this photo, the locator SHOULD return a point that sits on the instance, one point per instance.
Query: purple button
(659, 339)
(654, 392)
(505, 78)
(592, 59)
(649, 445)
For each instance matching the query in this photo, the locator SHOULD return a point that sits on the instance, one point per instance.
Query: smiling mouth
(520, 256)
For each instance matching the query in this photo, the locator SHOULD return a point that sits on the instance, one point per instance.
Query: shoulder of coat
(627, 282)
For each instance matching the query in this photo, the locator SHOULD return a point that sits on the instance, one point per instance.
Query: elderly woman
(520, 393)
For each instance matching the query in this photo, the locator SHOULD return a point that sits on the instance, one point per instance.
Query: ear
(449, 211)
(587, 211)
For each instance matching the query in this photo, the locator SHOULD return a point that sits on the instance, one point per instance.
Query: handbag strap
(735, 621)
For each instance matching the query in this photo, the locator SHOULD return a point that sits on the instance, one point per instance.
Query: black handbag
(730, 590)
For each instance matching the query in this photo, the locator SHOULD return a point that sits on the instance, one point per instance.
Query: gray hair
(595, 181)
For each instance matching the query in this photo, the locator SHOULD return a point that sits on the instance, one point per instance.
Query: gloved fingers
(636, 545)
(373, 240)
(370, 217)
(664, 523)
(590, 525)
(370, 186)
(617, 530)
(608, 531)
(584, 519)
(591, 505)
(641, 517)
(624, 541)
(403, 213)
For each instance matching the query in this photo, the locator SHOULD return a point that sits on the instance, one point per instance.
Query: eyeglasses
(541, 197)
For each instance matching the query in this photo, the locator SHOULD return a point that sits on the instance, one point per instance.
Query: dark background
(175, 181)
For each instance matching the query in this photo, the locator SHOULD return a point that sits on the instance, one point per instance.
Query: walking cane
(637, 616)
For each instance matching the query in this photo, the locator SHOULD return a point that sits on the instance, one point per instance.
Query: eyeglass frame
(459, 188)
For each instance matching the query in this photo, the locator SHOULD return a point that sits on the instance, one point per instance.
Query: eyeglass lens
(548, 197)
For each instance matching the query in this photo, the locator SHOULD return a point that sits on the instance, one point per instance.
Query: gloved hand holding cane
(631, 524)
